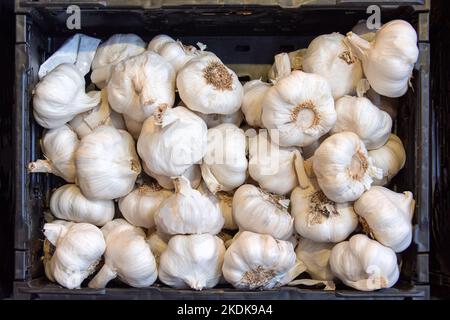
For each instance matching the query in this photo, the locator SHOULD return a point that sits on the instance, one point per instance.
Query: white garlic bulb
(343, 167)
(206, 85)
(107, 164)
(390, 158)
(193, 174)
(158, 41)
(59, 147)
(270, 165)
(188, 212)
(315, 257)
(224, 165)
(301, 107)
(388, 60)
(79, 247)
(258, 211)
(387, 215)
(127, 256)
(364, 264)
(172, 140)
(139, 206)
(68, 203)
(359, 115)
(193, 261)
(117, 48)
(315, 216)
(257, 261)
(213, 119)
(254, 92)
(157, 245)
(140, 85)
(60, 96)
(133, 127)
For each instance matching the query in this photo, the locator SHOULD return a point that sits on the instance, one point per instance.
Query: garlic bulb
(68, 203)
(315, 257)
(270, 165)
(258, 211)
(140, 85)
(343, 168)
(224, 165)
(328, 56)
(362, 30)
(172, 140)
(316, 217)
(301, 107)
(157, 245)
(193, 174)
(213, 119)
(390, 158)
(59, 147)
(127, 256)
(387, 215)
(117, 48)
(79, 247)
(133, 127)
(107, 164)
(364, 264)
(206, 85)
(193, 261)
(158, 41)
(188, 212)
(254, 92)
(388, 60)
(257, 261)
(139, 206)
(60, 96)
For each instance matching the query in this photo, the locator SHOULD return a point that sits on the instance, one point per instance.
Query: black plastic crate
(246, 37)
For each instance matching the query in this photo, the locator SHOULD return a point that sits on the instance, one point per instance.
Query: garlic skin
(213, 120)
(315, 257)
(360, 116)
(140, 85)
(139, 206)
(158, 41)
(270, 165)
(363, 31)
(68, 203)
(343, 167)
(388, 60)
(301, 107)
(254, 92)
(328, 56)
(257, 261)
(188, 212)
(60, 96)
(206, 85)
(59, 147)
(295, 59)
(316, 217)
(117, 48)
(193, 261)
(107, 164)
(171, 141)
(133, 127)
(157, 245)
(79, 247)
(387, 215)
(390, 158)
(193, 174)
(224, 165)
(364, 264)
(127, 256)
(258, 211)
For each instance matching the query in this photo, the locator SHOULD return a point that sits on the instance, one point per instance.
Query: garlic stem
(44, 166)
(357, 44)
(101, 279)
(282, 65)
(303, 179)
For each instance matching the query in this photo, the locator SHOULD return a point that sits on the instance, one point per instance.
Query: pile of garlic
(258, 185)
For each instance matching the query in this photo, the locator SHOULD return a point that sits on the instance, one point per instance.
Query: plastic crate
(246, 37)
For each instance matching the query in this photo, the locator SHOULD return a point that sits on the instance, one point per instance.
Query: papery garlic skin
(206, 85)
(295, 59)
(157, 245)
(133, 127)
(254, 92)
(224, 165)
(364, 264)
(257, 261)
(388, 60)
(158, 41)
(258, 211)
(79, 247)
(58, 146)
(117, 48)
(127, 256)
(388, 216)
(301, 107)
(193, 174)
(107, 164)
(60, 96)
(193, 261)
(68, 203)
(139, 206)
(213, 120)
(315, 256)
(172, 141)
